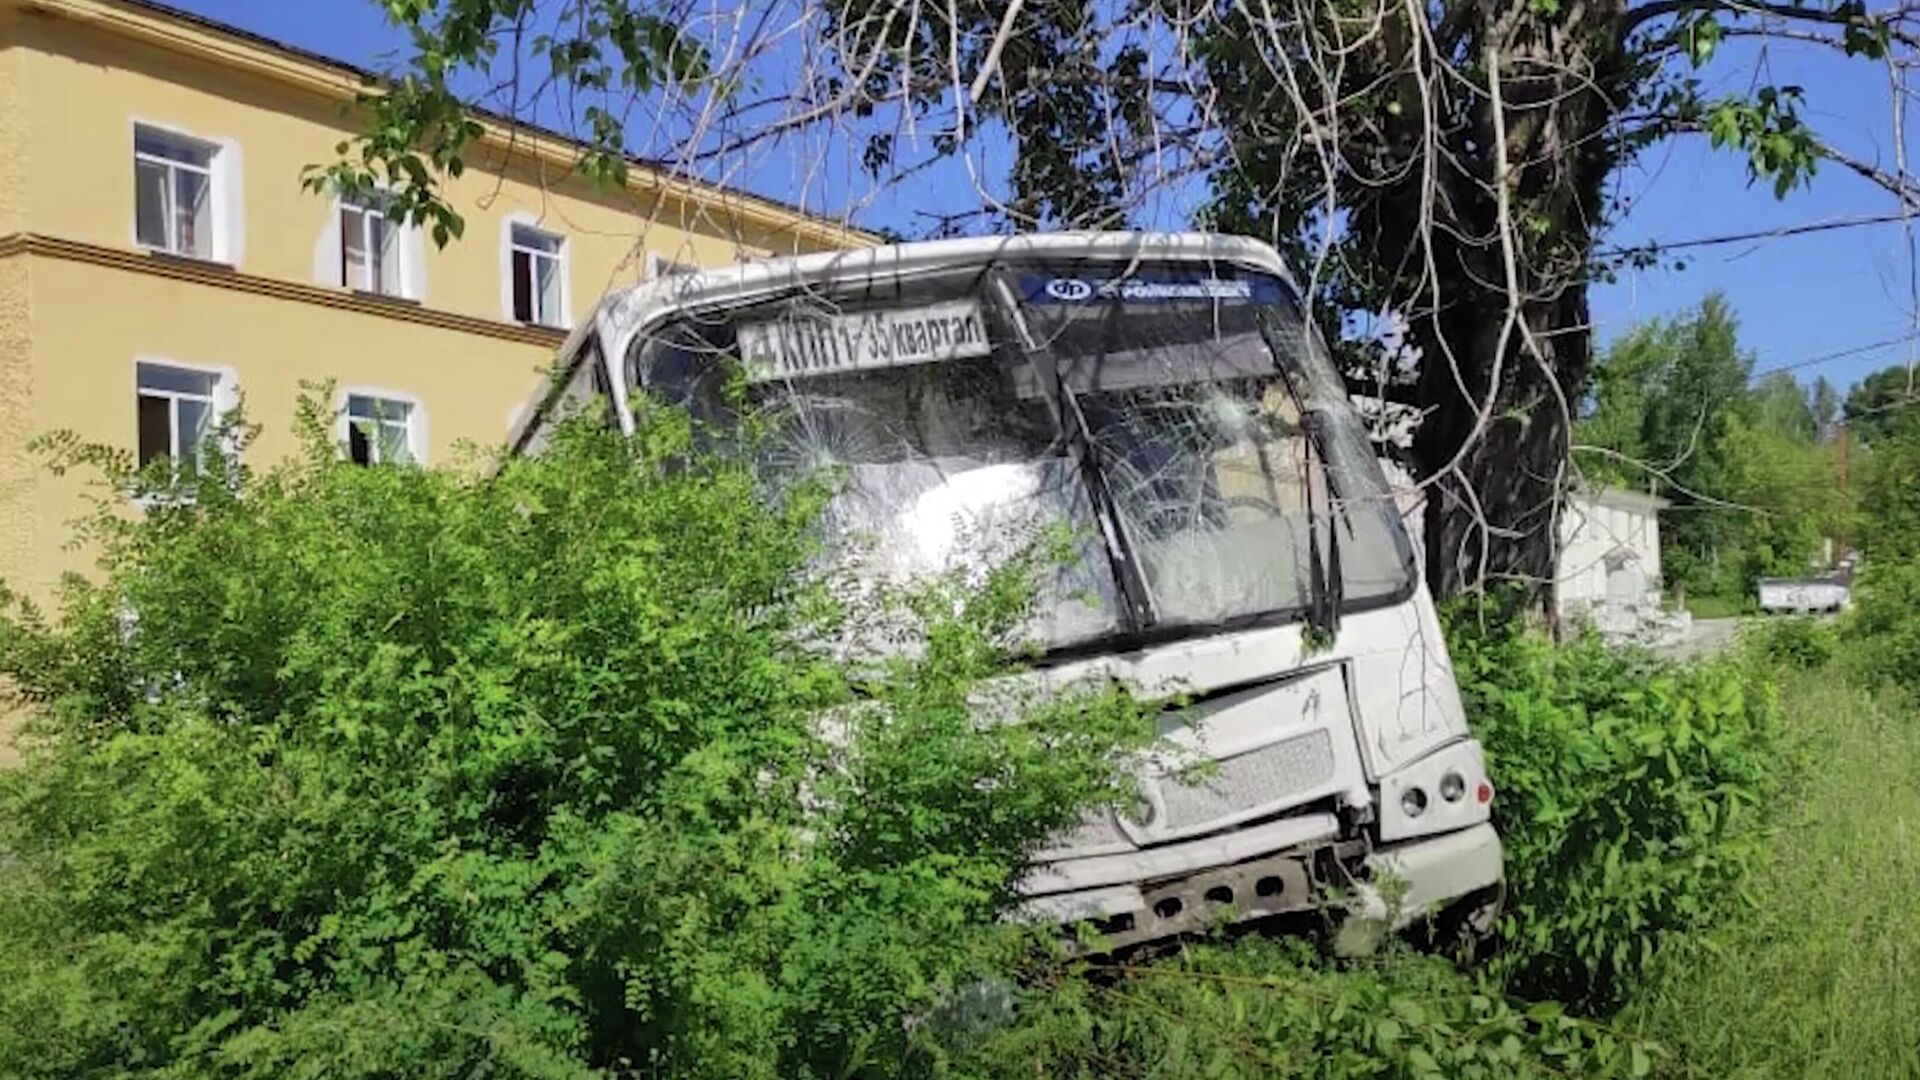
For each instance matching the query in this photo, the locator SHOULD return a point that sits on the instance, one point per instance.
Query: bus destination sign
(803, 345)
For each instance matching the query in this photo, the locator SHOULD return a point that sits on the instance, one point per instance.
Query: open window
(382, 430)
(536, 268)
(176, 411)
(174, 193)
(372, 253)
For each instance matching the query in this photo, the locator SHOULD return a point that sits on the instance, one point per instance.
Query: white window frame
(220, 401)
(416, 421)
(217, 247)
(509, 247)
(370, 282)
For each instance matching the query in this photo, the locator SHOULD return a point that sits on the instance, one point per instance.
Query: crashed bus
(1163, 397)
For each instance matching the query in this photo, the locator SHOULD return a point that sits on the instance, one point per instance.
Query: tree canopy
(1875, 405)
(1445, 163)
(1675, 410)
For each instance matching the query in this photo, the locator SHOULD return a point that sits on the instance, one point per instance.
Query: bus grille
(1257, 778)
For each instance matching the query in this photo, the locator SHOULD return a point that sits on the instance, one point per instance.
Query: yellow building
(158, 259)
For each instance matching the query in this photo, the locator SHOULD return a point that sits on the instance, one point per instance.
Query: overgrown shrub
(388, 772)
(1262, 1008)
(1798, 642)
(1882, 631)
(1627, 789)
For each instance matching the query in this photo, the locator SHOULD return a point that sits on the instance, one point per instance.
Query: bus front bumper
(1400, 883)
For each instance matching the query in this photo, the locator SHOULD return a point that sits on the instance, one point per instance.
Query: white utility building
(1609, 568)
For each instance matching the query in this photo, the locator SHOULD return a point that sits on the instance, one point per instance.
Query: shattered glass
(942, 469)
(1163, 436)
(1210, 481)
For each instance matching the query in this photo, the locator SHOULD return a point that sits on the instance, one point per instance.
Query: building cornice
(339, 82)
(221, 276)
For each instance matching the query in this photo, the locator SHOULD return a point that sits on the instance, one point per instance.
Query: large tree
(1824, 400)
(1781, 407)
(1674, 411)
(1877, 405)
(1443, 162)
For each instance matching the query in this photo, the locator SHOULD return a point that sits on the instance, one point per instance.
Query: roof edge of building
(1624, 498)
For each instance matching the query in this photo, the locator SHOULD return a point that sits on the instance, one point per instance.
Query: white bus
(1162, 395)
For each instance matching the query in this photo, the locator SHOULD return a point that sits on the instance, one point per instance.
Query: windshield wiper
(1329, 584)
(1324, 576)
(1127, 577)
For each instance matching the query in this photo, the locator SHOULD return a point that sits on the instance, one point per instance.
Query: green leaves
(1880, 632)
(1261, 1008)
(1630, 791)
(1767, 126)
(1674, 403)
(417, 773)
(416, 132)
(1702, 38)
(1864, 35)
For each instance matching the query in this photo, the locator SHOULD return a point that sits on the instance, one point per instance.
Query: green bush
(1262, 1008)
(1626, 790)
(1882, 631)
(387, 772)
(1798, 642)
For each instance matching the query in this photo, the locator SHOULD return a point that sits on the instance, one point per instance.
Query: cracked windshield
(1160, 423)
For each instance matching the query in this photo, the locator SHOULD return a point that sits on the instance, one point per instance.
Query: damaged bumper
(1268, 870)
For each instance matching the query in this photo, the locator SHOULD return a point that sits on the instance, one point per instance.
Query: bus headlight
(1413, 802)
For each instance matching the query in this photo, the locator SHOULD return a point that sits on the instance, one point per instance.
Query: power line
(1802, 229)
(1827, 358)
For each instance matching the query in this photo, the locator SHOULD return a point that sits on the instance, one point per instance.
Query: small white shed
(1609, 566)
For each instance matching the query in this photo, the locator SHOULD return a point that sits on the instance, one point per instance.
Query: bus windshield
(1168, 430)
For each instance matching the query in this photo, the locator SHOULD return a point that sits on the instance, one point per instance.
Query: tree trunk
(1497, 437)
(1494, 506)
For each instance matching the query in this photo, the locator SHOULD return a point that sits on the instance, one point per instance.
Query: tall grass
(1821, 976)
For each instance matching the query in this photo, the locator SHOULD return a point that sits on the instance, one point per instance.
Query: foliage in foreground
(1261, 1008)
(1628, 794)
(385, 772)
(1815, 979)
(350, 772)
(1793, 643)
(1883, 628)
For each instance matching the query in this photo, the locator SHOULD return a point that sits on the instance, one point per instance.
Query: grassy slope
(1718, 607)
(1822, 977)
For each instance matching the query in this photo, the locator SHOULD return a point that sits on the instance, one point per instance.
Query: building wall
(18, 471)
(81, 302)
(1600, 537)
(13, 151)
(86, 89)
(83, 371)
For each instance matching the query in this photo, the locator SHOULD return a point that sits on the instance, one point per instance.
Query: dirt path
(1705, 637)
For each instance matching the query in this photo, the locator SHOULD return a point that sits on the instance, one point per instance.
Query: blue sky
(1798, 298)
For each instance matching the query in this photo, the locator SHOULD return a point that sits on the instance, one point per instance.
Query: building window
(380, 431)
(370, 255)
(176, 412)
(173, 201)
(536, 270)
